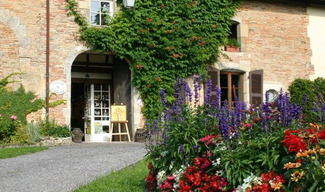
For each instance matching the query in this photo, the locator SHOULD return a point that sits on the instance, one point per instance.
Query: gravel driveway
(64, 168)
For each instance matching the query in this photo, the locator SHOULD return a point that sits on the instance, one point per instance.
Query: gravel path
(64, 168)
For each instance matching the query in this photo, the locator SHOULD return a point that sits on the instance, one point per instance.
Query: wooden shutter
(256, 87)
(214, 74)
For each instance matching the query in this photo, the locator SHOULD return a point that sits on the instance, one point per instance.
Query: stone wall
(273, 38)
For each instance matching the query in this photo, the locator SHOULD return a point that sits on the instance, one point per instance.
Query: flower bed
(212, 147)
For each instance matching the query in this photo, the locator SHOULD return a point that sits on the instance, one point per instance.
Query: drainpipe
(47, 57)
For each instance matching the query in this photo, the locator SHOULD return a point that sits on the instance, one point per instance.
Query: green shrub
(308, 94)
(51, 128)
(8, 129)
(34, 131)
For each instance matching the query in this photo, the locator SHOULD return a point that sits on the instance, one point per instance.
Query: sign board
(118, 113)
(58, 87)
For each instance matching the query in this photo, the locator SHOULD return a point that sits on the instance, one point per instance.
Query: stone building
(279, 42)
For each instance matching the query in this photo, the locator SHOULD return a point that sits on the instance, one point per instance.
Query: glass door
(98, 120)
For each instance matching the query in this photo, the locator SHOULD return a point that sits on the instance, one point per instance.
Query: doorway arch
(97, 82)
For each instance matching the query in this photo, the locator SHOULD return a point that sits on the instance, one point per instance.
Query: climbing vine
(163, 39)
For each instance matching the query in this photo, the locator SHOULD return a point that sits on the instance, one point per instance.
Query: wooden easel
(119, 117)
(119, 133)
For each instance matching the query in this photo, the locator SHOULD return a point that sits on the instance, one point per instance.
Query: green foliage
(315, 93)
(34, 131)
(51, 128)
(18, 103)
(232, 42)
(14, 152)
(8, 129)
(163, 39)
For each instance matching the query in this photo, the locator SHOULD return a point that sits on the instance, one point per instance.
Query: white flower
(164, 153)
(161, 176)
(219, 173)
(171, 165)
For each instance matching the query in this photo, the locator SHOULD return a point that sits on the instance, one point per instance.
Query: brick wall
(23, 44)
(275, 40)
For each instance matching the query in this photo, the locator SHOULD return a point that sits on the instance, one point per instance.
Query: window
(232, 44)
(100, 11)
(231, 83)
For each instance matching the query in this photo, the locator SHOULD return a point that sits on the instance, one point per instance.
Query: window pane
(95, 6)
(224, 94)
(223, 80)
(105, 7)
(235, 80)
(94, 19)
(104, 19)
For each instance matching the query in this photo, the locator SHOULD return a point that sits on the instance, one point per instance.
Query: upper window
(100, 11)
(232, 44)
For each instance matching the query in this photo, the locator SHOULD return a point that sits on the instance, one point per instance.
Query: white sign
(58, 87)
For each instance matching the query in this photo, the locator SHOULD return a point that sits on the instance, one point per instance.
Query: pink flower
(13, 117)
(0, 115)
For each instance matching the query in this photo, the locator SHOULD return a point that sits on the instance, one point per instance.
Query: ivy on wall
(163, 40)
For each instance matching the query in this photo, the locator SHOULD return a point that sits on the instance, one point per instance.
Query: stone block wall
(275, 39)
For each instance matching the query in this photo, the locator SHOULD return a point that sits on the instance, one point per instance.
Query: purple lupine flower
(196, 90)
(207, 94)
(188, 90)
(223, 121)
(314, 107)
(181, 149)
(163, 97)
(196, 148)
(155, 127)
(243, 113)
(264, 123)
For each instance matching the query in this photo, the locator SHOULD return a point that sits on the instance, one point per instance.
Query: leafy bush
(8, 128)
(51, 128)
(34, 131)
(309, 95)
(216, 148)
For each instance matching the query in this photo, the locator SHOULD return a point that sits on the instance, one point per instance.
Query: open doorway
(97, 82)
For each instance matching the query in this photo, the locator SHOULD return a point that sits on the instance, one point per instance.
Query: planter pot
(232, 49)
(77, 135)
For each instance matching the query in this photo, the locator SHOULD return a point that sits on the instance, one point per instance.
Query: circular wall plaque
(58, 87)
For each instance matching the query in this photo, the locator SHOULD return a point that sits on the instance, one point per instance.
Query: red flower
(175, 55)
(148, 85)
(148, 20)
(294, 143)
(321, 134)
(139, 66)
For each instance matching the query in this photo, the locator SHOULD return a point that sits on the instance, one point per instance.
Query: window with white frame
(100, 11)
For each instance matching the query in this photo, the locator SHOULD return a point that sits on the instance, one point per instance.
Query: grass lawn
(130, 179)
(14, 152)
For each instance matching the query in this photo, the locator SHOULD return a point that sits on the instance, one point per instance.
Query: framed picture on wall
(118, 113)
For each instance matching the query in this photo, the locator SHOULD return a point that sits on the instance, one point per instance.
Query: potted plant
(232, 45)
